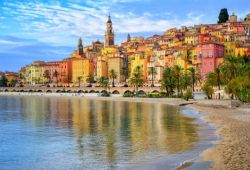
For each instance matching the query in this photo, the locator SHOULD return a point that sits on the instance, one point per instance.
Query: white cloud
(55, 23)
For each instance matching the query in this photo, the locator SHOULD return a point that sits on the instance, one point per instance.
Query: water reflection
(108, 132)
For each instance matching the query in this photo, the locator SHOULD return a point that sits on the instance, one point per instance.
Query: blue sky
(48, 30)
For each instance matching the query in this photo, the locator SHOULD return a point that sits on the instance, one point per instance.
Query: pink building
(211, 55)
(59, 71)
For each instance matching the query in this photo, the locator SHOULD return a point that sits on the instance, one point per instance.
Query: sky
(48, 30)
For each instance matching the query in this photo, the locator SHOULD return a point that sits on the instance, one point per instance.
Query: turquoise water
(76, 133)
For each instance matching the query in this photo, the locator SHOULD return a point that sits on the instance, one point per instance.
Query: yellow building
(81, 68)
(182, 58)
(139, 59)
(116, 63)
(240, 51)
(35, 73)
(191, 39)
(229, 49)
(108, 51)
(102, 67)
(12, 78)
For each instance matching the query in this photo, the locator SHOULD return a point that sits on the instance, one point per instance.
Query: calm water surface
(76, 133)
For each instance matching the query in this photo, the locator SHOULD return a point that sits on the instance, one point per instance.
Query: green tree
(230, 68)
(215, 79)
(103, 82)
(46, 75)
(137, 78)
(152, 72)
(237, 75)
(90, 79)
(113, 76)
(21, 79)
(223, 16)
(185, 81)
(79, 79)
(56, 75)
(208, 90)
(177, 72)
(195, 76)
(188, 95)
(168, 80)
(106, 84)
(240, 88)
(125, 73)
(3, 81)
(13, 83)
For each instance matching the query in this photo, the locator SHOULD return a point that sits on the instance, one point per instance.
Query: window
(210, 53)
(205, 63)
(205, 54)
(211, 63)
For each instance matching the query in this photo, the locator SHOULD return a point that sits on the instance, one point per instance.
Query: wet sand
(232, 152)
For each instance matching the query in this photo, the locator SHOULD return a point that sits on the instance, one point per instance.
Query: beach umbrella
(220, 92)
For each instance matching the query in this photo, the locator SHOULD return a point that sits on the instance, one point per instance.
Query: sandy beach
(231, 152)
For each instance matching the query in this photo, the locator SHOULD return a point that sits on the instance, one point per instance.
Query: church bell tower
(109, 35)
(80, 47)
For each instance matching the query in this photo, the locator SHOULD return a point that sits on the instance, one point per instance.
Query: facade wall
(116, 63)
(210, 52)
(81, 68)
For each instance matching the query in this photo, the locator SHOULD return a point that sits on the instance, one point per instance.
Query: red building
(211, 55)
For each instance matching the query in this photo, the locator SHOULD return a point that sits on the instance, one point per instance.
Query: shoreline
(231, 151)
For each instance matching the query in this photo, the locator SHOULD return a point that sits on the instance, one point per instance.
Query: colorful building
(81, 70)
(211, 56)
(139, 59)
(102, 67)
(59, 72)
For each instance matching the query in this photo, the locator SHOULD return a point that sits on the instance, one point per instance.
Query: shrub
(208, 90)
(105, 95)
(128, 95)
(188, 95)
(154, 95)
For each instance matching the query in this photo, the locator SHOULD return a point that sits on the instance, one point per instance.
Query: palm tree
(124, 72)
(137, 78)
(218, 79)
(113, 76)
(152, 72)
(13, 83)
(230, 68)
(79, 78)
(196, 77)
(185, 81)
(103, 81)
(56, 74)
(106, 84)
(177, 70)
(168, 80)
(21, 79)
(46, 75)
(90, 79)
